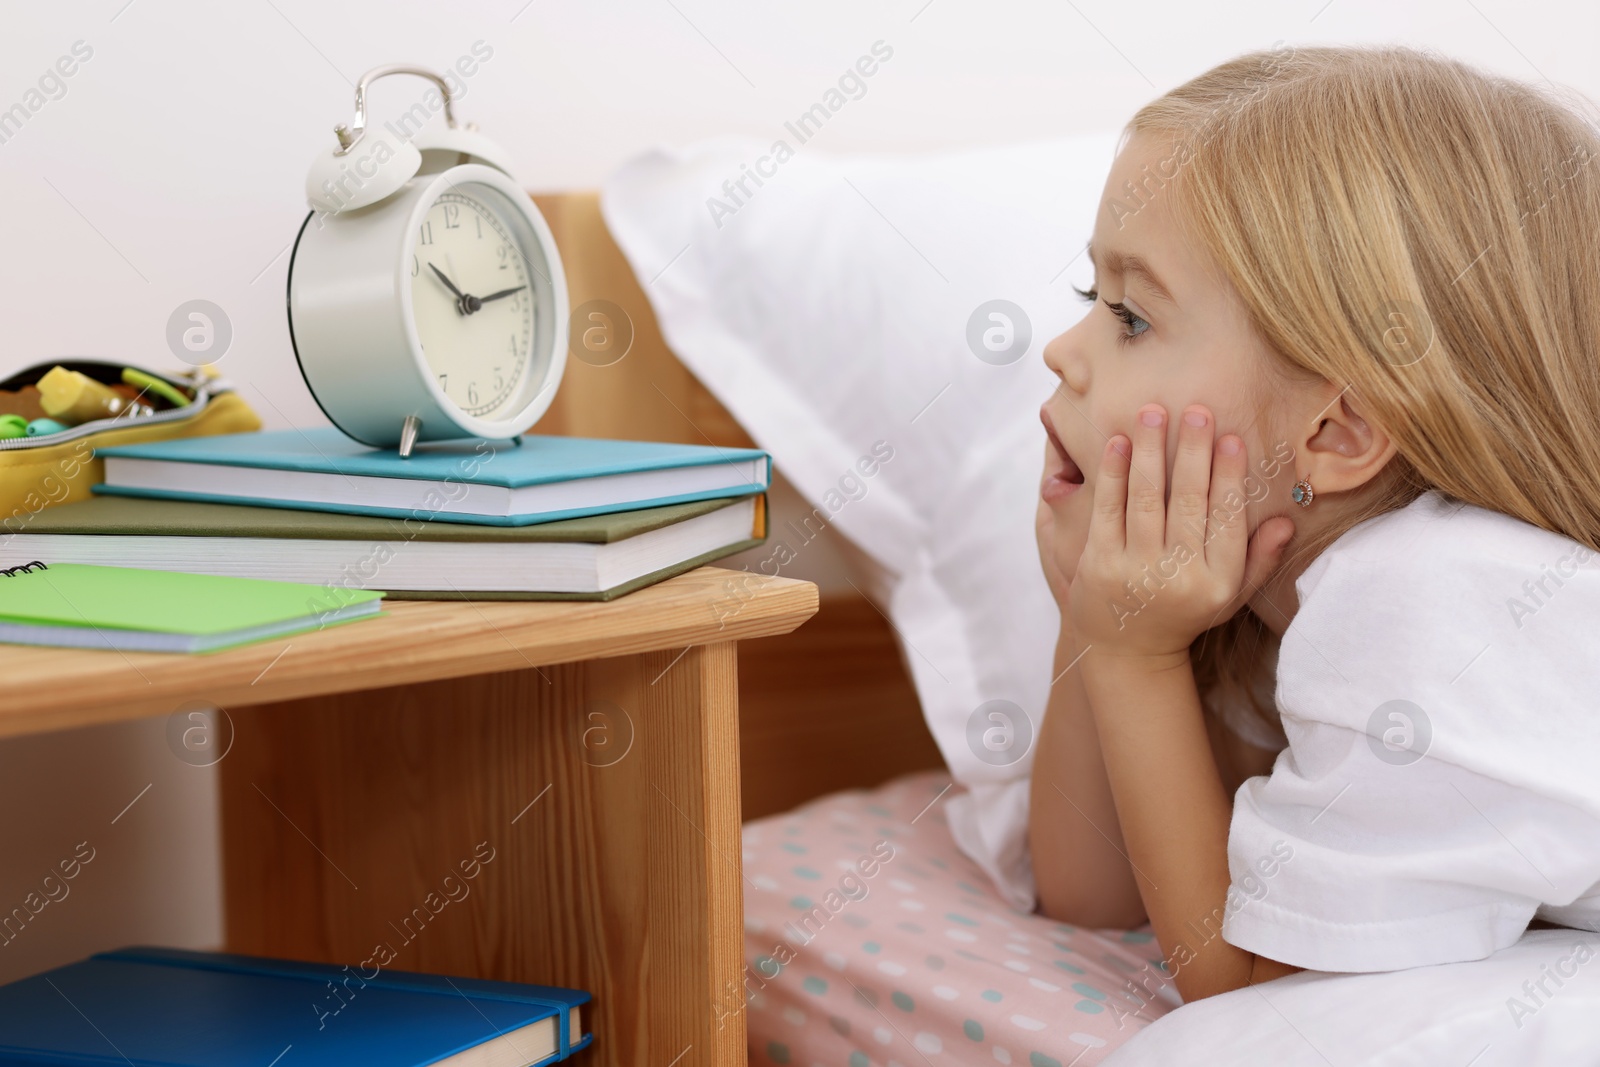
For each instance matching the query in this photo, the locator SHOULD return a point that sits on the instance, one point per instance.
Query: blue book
(495, 483)
(156, 1007)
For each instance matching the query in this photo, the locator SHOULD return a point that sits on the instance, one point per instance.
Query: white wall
(172, 168)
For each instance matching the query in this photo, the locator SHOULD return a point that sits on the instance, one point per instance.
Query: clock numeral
(499, 380)
(514, 351)
(444, 384)
(472, 393)
(416, 267)
(479, 220)
(452, 216)
(426, 237)
(505, 257)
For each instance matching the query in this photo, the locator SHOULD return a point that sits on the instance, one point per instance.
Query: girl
(1331, 426)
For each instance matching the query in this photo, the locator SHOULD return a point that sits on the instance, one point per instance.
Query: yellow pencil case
(59, 468)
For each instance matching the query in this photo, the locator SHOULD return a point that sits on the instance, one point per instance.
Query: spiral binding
(26, 568)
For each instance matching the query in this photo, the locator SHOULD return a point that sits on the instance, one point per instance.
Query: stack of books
(549, 518)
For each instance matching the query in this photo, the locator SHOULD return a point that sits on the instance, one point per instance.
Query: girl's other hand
(1154, 576)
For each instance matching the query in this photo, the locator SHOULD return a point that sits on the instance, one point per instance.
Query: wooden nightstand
(581, 760)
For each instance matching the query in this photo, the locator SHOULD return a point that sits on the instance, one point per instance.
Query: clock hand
(464, 303)
(447, 282)
(501, 293)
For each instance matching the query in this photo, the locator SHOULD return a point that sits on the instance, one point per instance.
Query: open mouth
(1063, 476)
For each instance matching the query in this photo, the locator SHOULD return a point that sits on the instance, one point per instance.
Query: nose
(1065, 357)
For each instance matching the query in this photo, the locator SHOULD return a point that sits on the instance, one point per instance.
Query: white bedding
(1483, 1013)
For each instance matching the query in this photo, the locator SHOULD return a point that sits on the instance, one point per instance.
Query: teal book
(495, 483)
(157, 1007)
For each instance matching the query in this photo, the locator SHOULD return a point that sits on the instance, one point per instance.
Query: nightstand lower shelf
(526, 791)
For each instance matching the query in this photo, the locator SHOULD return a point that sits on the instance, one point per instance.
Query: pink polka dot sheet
(871, 940)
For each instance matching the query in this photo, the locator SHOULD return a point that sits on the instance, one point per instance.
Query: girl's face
(1183, 339)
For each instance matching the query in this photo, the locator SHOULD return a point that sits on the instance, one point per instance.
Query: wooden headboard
(827, 707)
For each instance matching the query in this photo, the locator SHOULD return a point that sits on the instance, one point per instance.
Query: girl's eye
(1134, 323)
(1129, 319)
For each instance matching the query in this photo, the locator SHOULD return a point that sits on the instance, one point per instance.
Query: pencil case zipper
(204, 389)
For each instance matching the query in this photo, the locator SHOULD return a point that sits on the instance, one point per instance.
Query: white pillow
(827, 302)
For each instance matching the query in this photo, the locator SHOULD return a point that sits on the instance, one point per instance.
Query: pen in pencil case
(25, 568)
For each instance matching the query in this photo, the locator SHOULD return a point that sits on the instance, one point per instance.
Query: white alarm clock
(426, 296)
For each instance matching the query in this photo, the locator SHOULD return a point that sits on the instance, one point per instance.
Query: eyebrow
(1126, 263)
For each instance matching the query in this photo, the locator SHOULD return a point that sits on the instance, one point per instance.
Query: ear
(1344, 450)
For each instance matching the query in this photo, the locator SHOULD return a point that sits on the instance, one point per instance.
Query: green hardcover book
(597, 557)
(137, 610)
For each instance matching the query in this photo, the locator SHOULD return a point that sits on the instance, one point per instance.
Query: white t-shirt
(1439, 687)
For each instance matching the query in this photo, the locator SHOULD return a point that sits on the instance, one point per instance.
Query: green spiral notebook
(131, 609)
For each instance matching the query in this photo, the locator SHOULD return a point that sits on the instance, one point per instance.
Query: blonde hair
(1423, 233)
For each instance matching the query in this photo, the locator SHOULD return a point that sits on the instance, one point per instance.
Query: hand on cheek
(1156, 574)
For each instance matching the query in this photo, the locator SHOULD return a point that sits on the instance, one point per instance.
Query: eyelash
(1120, 311)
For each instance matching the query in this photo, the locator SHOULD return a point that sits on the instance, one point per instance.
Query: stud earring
(1302, 493)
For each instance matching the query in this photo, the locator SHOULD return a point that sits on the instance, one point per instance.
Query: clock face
(473, 299)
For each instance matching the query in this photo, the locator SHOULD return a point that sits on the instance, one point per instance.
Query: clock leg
(408, 435)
